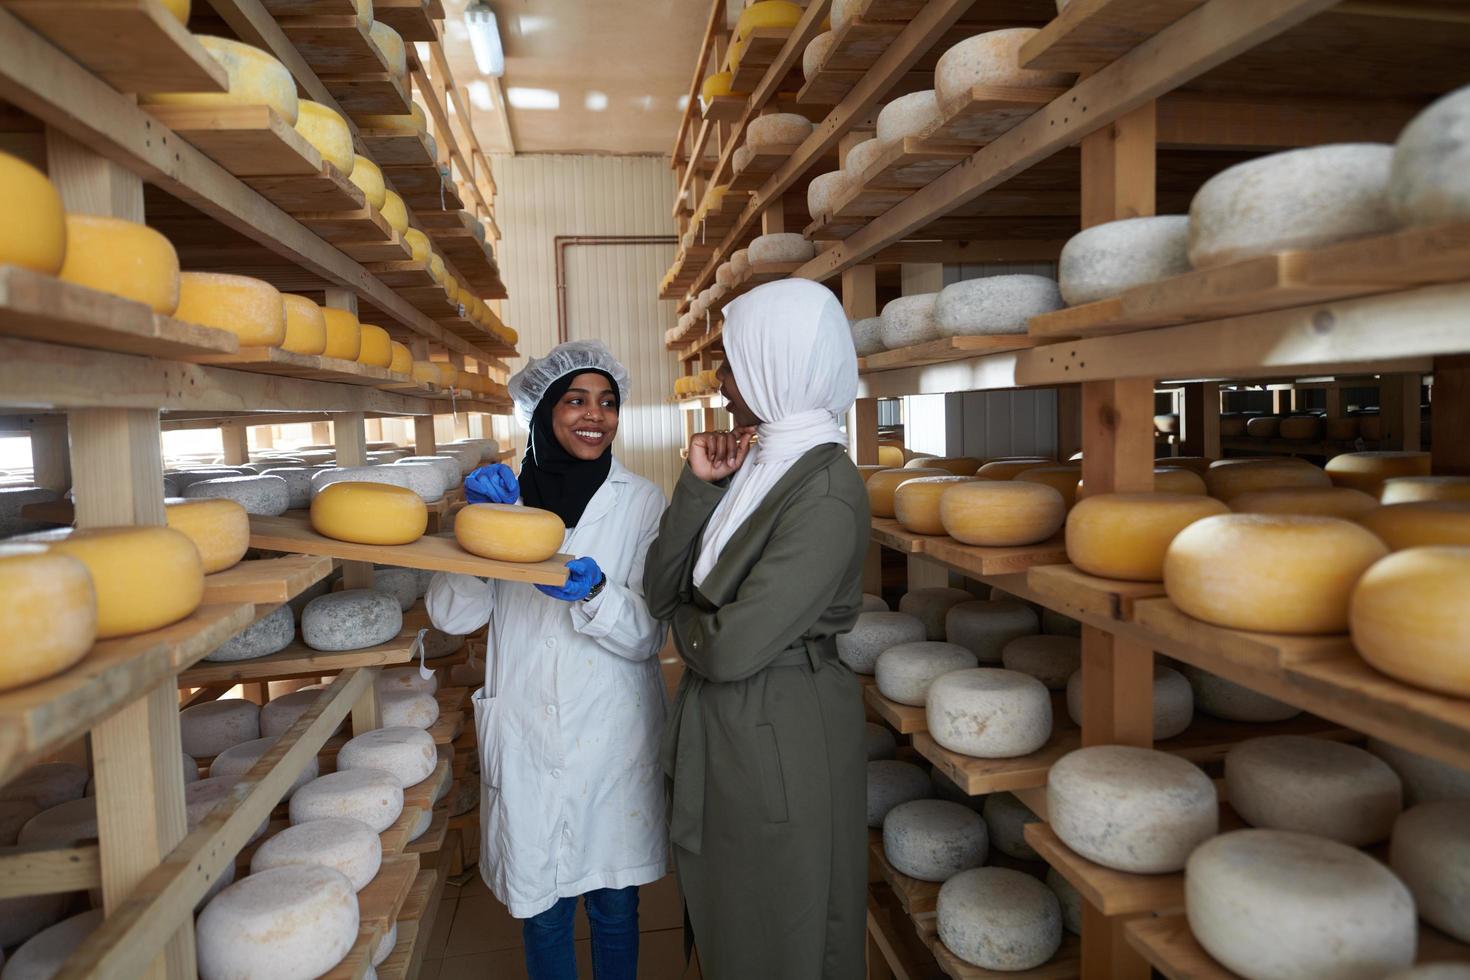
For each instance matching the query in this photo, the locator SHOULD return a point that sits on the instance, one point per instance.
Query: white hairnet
(529, 384)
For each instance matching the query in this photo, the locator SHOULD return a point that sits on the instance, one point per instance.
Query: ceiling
(610, 74)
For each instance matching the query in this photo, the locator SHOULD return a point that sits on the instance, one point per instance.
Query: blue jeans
(613, 915)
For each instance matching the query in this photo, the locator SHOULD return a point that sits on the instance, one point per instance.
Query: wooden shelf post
(1200, 420)
(1449, 410)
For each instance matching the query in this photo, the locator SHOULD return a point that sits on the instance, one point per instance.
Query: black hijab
(552, 478)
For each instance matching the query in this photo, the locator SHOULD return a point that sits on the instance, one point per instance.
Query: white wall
(611, 290)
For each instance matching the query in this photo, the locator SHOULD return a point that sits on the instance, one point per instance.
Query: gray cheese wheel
(291, 922)
(1431, 854)
(861, 157)
(279, 714)
(891, 783)
(985, 627)
(998, 919)
(212, 727)
(372, 796)
(47, 784)
(989, 713)
(62, 825)
(867, 336)
(1429, 181)
(1107, 259)
(41, 957)
(1221, 698)
(298, 484)
(905, 672)
(1131, 809)
(408, 709)
(874, 603)
(12, 499)
(235, 762)
(351, 620)
(778, 129)
(1006, 818)
(992, 58)
(202, 797)
(266, 496)
(784, 246)
(1425, 780)
(401, 583)
(271, 633)
(931, 606)
(909, 320)
(386, 942)
(1272, 903)
(1315, 786)
(1070, 899)
(1298, 199)
(1049, 659)
(405, 679)
(816, 53)
(448, 468)
(408, 754)
(347, 845)
(908, 115)
(873, 633)
(933, 840)
(994, 305)
(1173, 702)
(825, 190)
(425, 482)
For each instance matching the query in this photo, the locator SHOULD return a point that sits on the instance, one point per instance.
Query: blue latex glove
(493, 484)
(583, 578)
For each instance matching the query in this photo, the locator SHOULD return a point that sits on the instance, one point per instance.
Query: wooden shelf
(763, 46)
(432, 839)
(422, 794)
(1069, 590)
(378, 906)
(978, 562)
(298, 660)
(402, 275)
(415, 925)
(40, 307)
(412, 19)
(1065, 965)
(423, 187)
(1110, 892)
(369, 95)
(248, 141)
(334, 45)
(1272, 651)
(890, 534)
(943, 351)
(725, 108)
(266, 581)
(914, 896)
(764, 161)
(42, 717)
(393, 148)
(906, 719)
(1096, 34)
(136, 46)
(313, 367)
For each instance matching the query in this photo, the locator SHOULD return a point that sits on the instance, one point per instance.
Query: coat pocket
(773, 780)
(486, 742)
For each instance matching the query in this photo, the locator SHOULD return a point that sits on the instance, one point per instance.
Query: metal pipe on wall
(562, 242)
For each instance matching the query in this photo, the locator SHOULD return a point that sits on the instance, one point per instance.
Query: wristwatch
(596, 590)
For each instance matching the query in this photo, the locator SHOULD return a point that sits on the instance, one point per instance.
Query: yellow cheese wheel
(1263, 427)
(890, 456)
(376, 349)
(1274, 573)
(219, 528)
(436, 267)
(916, 502)
(1420, 523)
(364, 12)
(369, 513)
(1007, 469)
(123, 258)
(1408, 618)
(1368, 471)
(1167, 479)
(395, 213)
(419, 243)
(1125, 535)
(508, 532)
(1407, 489)
(720, 83)
(882, 485)
(425, 371)
(1343, 502)
(33, 235)
(1063, 478)
(1301, 427)
(768, 13)
(369, 179)
(451, 289)
(306, 326)
(1195, 464)
(179, 8)
(344, 334)
(248, 308)
(866, 470)
(255, 78)
(324, 129)
(415, 122)
(48, 613)
(390, 43)
(1001, 512)
(402, 361)
(1230, 481)
(145, 577)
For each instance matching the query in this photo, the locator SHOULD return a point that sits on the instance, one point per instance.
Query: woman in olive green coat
(758, 566)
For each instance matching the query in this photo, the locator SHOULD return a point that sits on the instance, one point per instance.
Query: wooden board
(392, 148)
(914, 896)
(421, 794)
(1072, 591)
(328, 191)
(902, 718)
(363, 225)
(314, 367)
(431, 840)
(944, 351)
(914, 162)
(412, 19)
(402, 275)
(725, 108)
(133, 45)
(378, 905)
(394, 250)
(266, 581)
(298, 660)
(334, 45)
(1111, 892)
(761, 50)
(988, 112)
(1259, 650)
(1092, 33)
(395, 838)
(764, 161)
(369, 94)
(984, 562)
(248, 141)
(42, 717)
(890, 534)
(423, 187)
(40, 307)
(1065, 965)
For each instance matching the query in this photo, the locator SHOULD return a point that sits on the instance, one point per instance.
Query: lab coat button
(551, 709)
(556, 773)
(550, 643)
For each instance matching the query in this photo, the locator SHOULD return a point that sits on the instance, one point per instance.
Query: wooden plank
(1269, 651)
(266, 581)
(334, 45)
(314, 367)
(762, 48)
(432, 840)
(1069, 590)
(902, 718)
(32, 871)
(421, 794)
(946, 349)
(248, 141)
(890, 534)
(914, 896)
(134, 45)
(298, 660)
(328, 191)
(369, 95)
(393, 148)
(1065, 965)
(1111, 892)
(40, 307)
(412, 19)
(378, 905)
(987, 112)
(423, 187)
(1092, 33)
(984, 562)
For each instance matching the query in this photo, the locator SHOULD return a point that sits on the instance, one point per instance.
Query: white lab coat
(571, 715)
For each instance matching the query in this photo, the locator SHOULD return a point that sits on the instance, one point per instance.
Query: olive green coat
(764, 746)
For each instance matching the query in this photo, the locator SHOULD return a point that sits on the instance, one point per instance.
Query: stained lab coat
(571, 715)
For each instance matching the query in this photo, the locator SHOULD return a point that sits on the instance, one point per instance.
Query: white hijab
(791, 349)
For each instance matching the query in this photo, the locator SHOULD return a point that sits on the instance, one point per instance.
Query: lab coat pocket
(485, 738)
(773, 780)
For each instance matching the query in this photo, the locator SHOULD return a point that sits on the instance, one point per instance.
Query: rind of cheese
(344, 334)
(248, 308)
(1367, 471)
(1313, 786)
(218, 528)
(368, 178)
(342, 843)
(285, 922)
(1001, 512)
(1430, 853)
(1408, 618)
(145, 577)
(255, 78)
(999, 919)
(916, 502)
(1107, 259)
(1323, 501)
(883, 485)
(48, 614)
(376, 347)
(1226, 482)
(415, 122)
(402, 361)
(1063, 478)
(390, 43)
(1411, 489)
(372, 796)
(306, 326)
(507, 532)
(328, 132)
(1011, 467)
(1422, 524)
(418, 243)
(992, 58)
(408, 754)
(395, 213)
(123, 258)
(1126, 535)
(1275, 573)
(34, 233)
(989, 713)
(369, 513)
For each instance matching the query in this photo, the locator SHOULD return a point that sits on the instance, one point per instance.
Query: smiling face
(585, 420)
(739, 411)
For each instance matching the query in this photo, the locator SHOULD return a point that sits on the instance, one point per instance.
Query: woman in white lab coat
(569, 720)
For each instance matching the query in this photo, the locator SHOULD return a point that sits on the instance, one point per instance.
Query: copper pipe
(563, 242)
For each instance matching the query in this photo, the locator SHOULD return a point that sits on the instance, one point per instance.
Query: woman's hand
(714, 456)
(493, 484)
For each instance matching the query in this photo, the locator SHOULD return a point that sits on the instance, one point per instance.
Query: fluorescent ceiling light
(532, 98)
(529, 24)
(479, 19)
(595, 101)
(683, 101)
(645, 102)
(479, 91)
